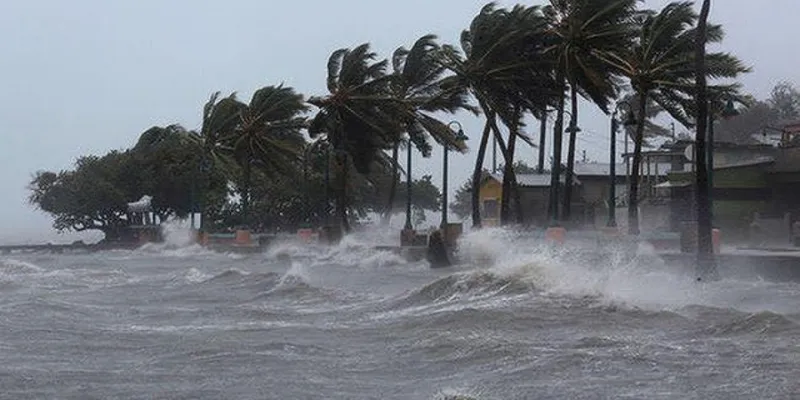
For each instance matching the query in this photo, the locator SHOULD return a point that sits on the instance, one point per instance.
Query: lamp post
(573, 131)
(408, 226)
(630, 120)
(555, 181)
(205, 167)
(306, 186)
(542, 140)
(327, 210)
(459, 136)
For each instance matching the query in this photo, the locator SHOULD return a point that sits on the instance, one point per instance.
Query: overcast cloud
(88, 76)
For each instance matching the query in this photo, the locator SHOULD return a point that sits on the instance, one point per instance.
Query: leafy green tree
(93, 196)
(462, 200)
(167, 163)
(660, 66)
(785, 101)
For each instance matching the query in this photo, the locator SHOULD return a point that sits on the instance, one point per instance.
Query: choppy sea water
(515, 321)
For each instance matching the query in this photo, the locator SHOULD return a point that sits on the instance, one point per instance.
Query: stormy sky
(87, 76)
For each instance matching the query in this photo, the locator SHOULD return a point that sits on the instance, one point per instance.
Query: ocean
(515, 320)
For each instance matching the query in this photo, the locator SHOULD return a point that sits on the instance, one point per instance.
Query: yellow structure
(490, 194)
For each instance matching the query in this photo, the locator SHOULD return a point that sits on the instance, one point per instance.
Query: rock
(438, 254)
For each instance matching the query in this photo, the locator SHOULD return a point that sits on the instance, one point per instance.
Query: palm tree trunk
(508, 172)
(478, 171)
(387, 214)
(542, 141)
(247, 172)
(705, 258)
(557, 143)
(633, 193)
(571, 156)
(341, 204)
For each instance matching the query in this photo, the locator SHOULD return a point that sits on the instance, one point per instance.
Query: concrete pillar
(716, 240)
(556, 235)
(242, 237)
(305, 234)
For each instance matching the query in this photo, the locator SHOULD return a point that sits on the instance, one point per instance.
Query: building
(534, 195)
(752, 183)
(590, 196)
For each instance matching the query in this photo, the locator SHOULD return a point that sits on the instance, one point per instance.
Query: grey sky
(87, 76)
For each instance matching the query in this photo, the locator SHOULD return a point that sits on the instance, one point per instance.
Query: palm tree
(660, 66)
(583, 34)
(417, 85)
(502, 65)
(220, 116)
(268, 135)
(359, 116)
(704, 245)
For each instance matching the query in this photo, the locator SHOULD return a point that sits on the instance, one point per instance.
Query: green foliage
(359, 116)
(785, 101)
(462, 200)
(164, 164)
(584, 33)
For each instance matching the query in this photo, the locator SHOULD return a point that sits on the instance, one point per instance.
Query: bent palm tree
(660, 66)
(359, 116)
(584, 33)
(220, 116)
(417, 86)
(501, 63)
(268, 135)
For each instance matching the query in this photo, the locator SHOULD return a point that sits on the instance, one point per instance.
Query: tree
(425, 195)
(785, 101)
(220, 117)
(267, 135)
(704, 245)
(584, 34)
(91, 197)
(359, 116)
(167, 162)
(660, 66)
(417, 84)
(461, 205)
(652, 130)
(501, 63)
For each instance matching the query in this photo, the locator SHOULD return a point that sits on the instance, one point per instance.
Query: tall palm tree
(220, 116)
(704, 245)
(502, 65)
(359, 115)
(268, 135)
(660, 66)
(417, 85)
(583, 34)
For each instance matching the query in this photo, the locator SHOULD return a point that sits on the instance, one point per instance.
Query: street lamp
(555, 174)
(630, 120)
(460, 137)
(205, 167)
(408, 227)
(306, 188)
(542, 140)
